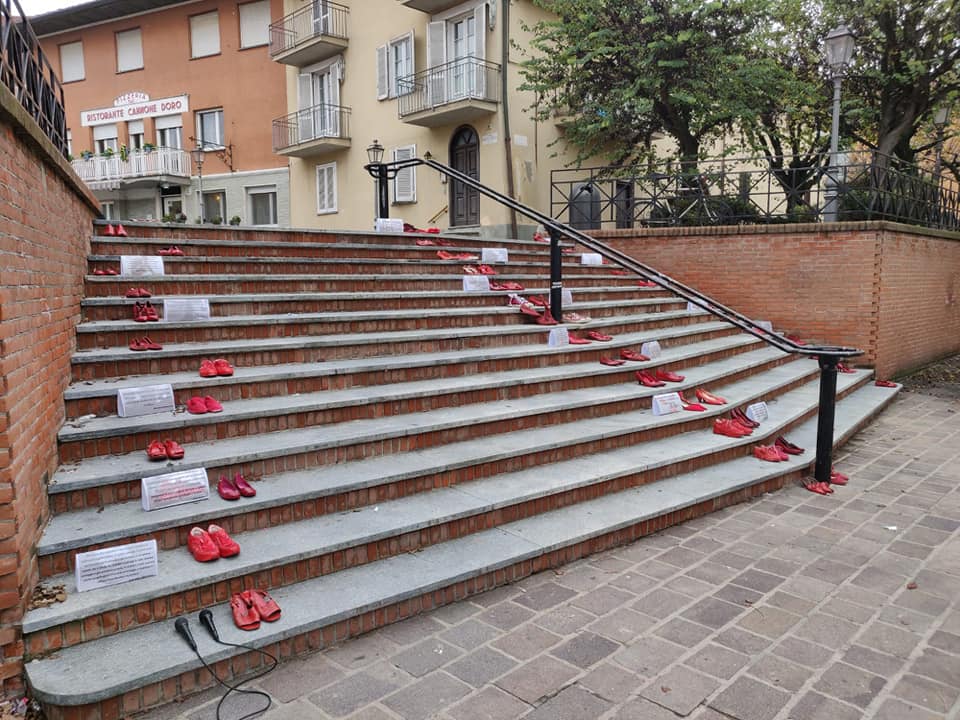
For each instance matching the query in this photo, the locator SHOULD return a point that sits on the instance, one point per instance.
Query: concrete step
(326, 609)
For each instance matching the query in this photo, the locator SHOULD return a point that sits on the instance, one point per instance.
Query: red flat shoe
(766, 452)
(827, 490)
(626, 354)
(618, 272)
(885, 383)
(227, 490)
(173, 449)
(445, 255)
(722, 426)
(599, 336)
(208, 369)
(747, 430)
(574, 340)
(648, 380)
(211, 404)
(244, 616)
(423, 242)
(838, 478)
(156, 451)
(539, 300)
(692, 407)
(223, 368)
(202, 546)
(845, 368)
(788, 447)
(150, 312)
(98, 271)
(266, 606)
(486, 270)
(174, 250)
(227, 546)
(709, 398)
(815, 487)
(151, 345)
(529, 309)
(669, 376)
(138, 345)
(470, 270)
(781, 452)
(546, 319)
(133, 293)
(111, 271)
(612, 362)
(646, 283)
(245, 488)
(512, 286)
(196, 406)
(110, 232)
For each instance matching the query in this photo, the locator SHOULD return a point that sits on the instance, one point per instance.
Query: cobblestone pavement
(792, 606)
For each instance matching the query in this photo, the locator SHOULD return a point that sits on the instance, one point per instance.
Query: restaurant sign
(135, 106)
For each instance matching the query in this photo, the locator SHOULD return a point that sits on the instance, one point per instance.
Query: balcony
(430, 6)
(312, 131)
(311, 34)
(143, 168)
(449, 94)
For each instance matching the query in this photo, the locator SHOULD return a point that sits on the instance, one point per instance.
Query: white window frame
(198, 24)
(73, 61)
(108, 208)
(408, 195)
(69, 141)
(254, 12)
(222, 203)
(209, 144)
(387, 74)
(263, 190)
(130, 44)
(321, 210)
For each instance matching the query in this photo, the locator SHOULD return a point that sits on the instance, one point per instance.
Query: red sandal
(245, 617)
(265, 606)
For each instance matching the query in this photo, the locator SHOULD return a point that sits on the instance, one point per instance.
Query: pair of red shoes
(145, 312)
(540, 300)
(546, 319)
(108, 271)
(137, 293)
(165, 450)
(591, 336)
(885, 383)
(709, 398)
(730, 428)
(119, 232)
(741, 417)
(692, 407)
(515, 286)
(172, 250)
(207, 404)
(822, 488)
(446, 255)
(215, 368)
(233, 489)
(845, 369)
(770, 453)
(788, 447)
(251, 606)
(646, 284)
(659, 378)
(627, 354)
(479, 270)
(211, 544)
(144, 343)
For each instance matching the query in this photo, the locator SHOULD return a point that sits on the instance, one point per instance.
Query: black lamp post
(379, 172)
(197, 155)
(839, 46)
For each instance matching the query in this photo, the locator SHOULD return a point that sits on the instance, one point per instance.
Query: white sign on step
(186, 309)
(650, 349)
(558, 337)
(476, 283)
(566, 297)
(389, 225)
(694, 308)
(147, 400)
(176, 488)
(115, 565)
(757, 412)
(766, 325)
(667, 403)
(591, 259)
(494, 255)
(141, 265)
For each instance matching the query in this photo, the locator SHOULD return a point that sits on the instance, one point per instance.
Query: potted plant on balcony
(235, 220)
(180, 218)
(149, 147)
(124, 154)
(86, 154)
(107, 152)
(216, 220)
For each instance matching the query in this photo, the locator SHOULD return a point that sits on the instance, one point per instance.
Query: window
(405, 184)
(210, 129)
(205, 34)
(453, 41)
(105, 138)
(394, 62)
(326, 189)
(69, 141)
(262, 205)
(108, 213)
(255, 24)
(129, 50)
(135, 134)
(214, 205)
(319, 100)
(172, 204)
(71, 62)
(169, 131)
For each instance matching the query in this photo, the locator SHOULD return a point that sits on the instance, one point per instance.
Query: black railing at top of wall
(748, 191)
(828, 355)
(319, 18)
(25, 70)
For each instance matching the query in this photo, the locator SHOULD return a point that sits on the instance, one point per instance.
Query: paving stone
(622, 626)
(681, 557)
(747, 699)
(741, 596)
(922, 602)
(425, 657)
(495, 596)
(683, 632)
(660, 603)
(580, 577)
(369, 713)
(879, 580)
(352, 693)
(642, 709)
(537, 678)
(813, 706)
(602, 600)
(826, 630)
(564, 620)
(928, 693)
(481, 666)
(361, 651)
(470, 634)
(945, 641)
(300, 677)
(938, 666)
(846, 610)
(680, 689)
(850, 684)
(702, 544)
(872, 661)
(718, 661)
(757, 580)
(648, 656)
(544, 596)
(768, 621)
(790, 603)
(896, 709)
(807, 588)
(712, 572)
(611, 682)
(939, 523)
(505, 615)
(901, 617)
(585, 649)
(572, 703)
(712, 612)
(489, 704)
(776, 566)
(455, 613)
(410, 631)
(423, 698)
(828, 571)
(635, 583)
(742, 641)
(780, 673)
(526, 641)
(288, 711)
(888, 639)
(730, 559)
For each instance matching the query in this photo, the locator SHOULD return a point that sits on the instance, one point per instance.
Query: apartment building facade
(148, 81)
(437, 76)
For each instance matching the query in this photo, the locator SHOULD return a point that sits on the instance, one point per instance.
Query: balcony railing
(464, 79)
(319, 18)
(100, 171)
(25, 70)
(313, 123)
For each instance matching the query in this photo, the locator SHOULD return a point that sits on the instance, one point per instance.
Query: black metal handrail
(319, 18)
(467, 78)
(312, 123)
(25, 70)
(828, 355)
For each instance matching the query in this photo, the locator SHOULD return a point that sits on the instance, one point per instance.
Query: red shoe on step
(546, 319)
(120, 231)
(266, 606)
(574, 340)
(709, 398)
(648, 380)
(227, 546)
(669, 376)
(227, 490)
(202, 546)
(243, 486)
(110, 232)
(627, 354)
(244, 616)
(612, 362)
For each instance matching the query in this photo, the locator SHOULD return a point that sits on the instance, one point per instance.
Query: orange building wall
(246, 83)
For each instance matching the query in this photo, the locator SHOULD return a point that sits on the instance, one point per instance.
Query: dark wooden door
(465, 157)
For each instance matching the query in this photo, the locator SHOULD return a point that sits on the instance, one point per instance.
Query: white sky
(38, 7)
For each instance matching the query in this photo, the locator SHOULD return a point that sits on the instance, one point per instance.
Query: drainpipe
(505, 101)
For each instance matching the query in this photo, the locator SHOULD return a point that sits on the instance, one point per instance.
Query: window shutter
(104, 132)
(304, 90)
(71, 62)
(480, 30)
(436, 56)
(411, 65)
(405, 184)
(327, 188)
(383, 72)
(165, 122)
(135, 127)
(205, 34)
(254, 23)
(129, 50)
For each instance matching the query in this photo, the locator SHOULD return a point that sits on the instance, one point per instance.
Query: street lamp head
(375, 153)
(941, 116)
(839, 46)
(197, 155)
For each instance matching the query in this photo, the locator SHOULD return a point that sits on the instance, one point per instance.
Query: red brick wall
(45, 226)
(887, 289)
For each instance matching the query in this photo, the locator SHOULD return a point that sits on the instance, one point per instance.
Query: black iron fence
(320, 17)
(747, 191)
(466, 78)
(313, 123)
(25, 70)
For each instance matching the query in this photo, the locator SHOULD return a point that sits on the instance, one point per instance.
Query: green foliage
(235, 220)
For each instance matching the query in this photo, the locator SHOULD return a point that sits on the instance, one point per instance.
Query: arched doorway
(465, 157)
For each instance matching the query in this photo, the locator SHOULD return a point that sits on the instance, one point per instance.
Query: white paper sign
(667, 403)
(176, 488)
(115, 565)
(758, 412)
(650, 349)
(566, 297)
(766, 325)
(489, 138)
(476, 283)
(520, 140)
(147, 400)
(558, 336)
(186, 309)
(591, 259)
(494, 255)
(389, 225)
(694, 308)
(141, 265)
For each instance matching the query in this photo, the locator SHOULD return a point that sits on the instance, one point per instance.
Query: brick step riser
(141, 363)
(106, 405)
(201, 286)
(163, 334)
(162, 609)
(135, 440)
(130, 490)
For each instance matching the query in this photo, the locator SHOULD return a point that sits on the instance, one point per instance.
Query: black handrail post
(825, 417)
(556, 277)
(383, 195)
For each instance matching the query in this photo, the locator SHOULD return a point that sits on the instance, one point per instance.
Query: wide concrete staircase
(411, 444)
